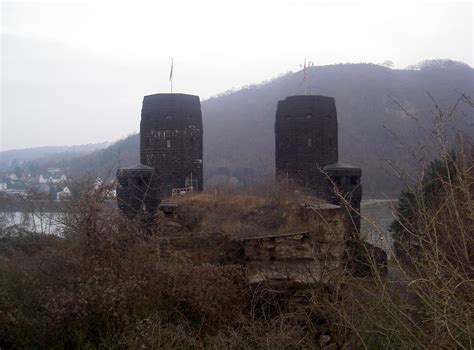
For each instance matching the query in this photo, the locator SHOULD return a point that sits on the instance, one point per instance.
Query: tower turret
(345, 189)
(137, 191)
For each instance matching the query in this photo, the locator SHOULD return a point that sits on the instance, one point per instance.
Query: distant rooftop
(165, 97)
(308, 99)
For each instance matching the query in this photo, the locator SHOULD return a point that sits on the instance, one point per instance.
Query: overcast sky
(75, 72)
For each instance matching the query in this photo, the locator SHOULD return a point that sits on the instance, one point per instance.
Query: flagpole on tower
(171, 75)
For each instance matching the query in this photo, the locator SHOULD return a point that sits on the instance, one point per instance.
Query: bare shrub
(106, 278)
(427, 300)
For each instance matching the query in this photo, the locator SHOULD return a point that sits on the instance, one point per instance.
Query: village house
(64, 194)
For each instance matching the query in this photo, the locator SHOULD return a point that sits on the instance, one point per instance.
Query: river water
(43, 223)
(377, 215)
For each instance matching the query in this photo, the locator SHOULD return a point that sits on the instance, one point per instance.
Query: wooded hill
(373, 128)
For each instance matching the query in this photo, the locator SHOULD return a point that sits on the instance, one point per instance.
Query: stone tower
(171, 136)
(306, 153)
(344, 182)
(137, 191)
(306, 140)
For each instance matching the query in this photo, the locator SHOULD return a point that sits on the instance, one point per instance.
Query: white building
(52, 179)
(64, 194)
(42, 179)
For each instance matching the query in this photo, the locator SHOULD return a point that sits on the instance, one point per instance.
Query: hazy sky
(75, 72)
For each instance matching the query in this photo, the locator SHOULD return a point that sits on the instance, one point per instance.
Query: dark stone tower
(171, 140)
(306, 140)
(307, 155)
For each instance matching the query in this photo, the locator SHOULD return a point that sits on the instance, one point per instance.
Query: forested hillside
(373, 129)
(48, 155)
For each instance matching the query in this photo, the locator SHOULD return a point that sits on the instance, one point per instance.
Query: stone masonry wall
(316, 256)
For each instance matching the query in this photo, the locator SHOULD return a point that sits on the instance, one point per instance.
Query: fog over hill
(47, 154)
(239, 124)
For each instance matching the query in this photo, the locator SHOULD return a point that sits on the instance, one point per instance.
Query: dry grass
(262, 211)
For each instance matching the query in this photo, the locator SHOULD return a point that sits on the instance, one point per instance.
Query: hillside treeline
(382, 113)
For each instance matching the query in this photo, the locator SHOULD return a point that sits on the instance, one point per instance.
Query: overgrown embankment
(105, 285)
